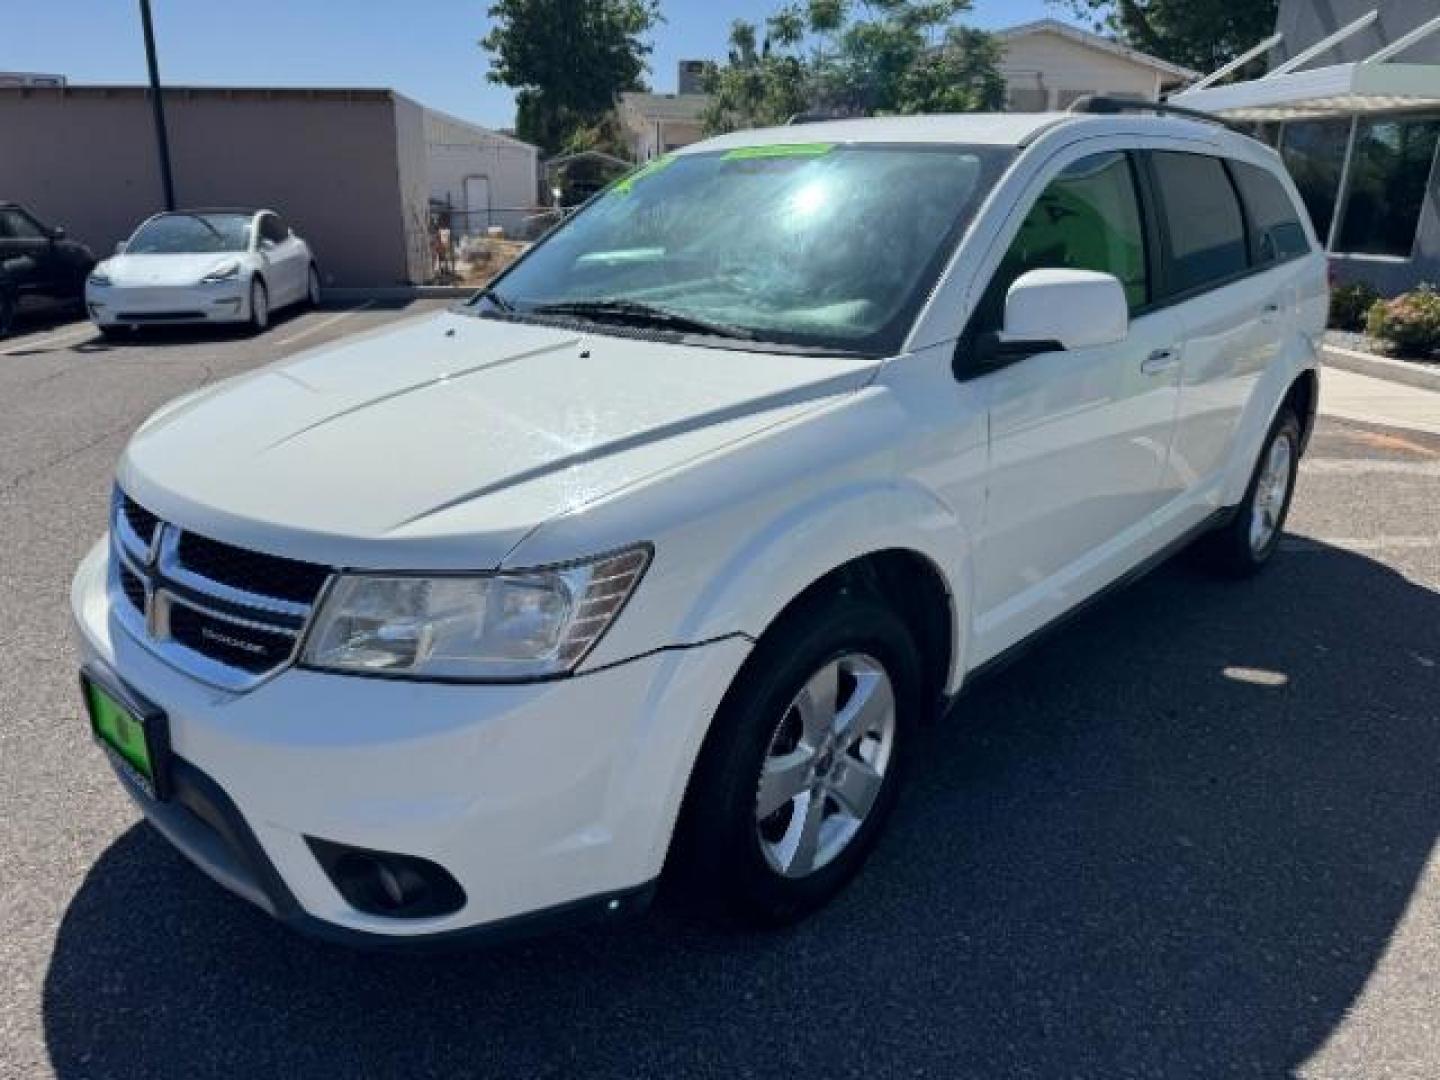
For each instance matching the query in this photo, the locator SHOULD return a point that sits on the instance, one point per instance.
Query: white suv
(658, 550)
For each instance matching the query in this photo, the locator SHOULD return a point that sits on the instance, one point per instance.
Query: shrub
(1410, 323)
(1350, 303)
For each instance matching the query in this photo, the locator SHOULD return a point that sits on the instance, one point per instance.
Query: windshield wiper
(638, 313)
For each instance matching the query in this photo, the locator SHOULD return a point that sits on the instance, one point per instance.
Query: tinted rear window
(1275, 230)
(1202, 219)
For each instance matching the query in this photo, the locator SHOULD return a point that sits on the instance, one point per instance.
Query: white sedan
(203, 266)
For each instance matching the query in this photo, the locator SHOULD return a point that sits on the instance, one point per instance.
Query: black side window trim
(1251, 240)
(1168, 298)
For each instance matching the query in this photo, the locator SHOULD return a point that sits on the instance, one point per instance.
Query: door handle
(1159, 360)
(1270, 310)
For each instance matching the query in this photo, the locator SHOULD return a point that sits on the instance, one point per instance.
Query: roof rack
(1100, 105)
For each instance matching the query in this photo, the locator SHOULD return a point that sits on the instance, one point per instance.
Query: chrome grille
(229, 616)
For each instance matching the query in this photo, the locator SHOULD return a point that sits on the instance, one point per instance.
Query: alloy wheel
(1272, 488)
(825, 765)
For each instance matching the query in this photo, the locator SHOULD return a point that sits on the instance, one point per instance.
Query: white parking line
(323, 323)
(1360, 543)
(59, 337)
(1354, 467)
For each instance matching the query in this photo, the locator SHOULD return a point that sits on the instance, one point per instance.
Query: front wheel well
(912, 586)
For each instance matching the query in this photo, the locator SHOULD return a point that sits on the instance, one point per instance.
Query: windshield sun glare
(810, 245)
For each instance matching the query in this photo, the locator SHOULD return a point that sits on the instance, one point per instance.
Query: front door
(1078, 439)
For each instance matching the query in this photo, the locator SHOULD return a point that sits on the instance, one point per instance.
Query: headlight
(490, 627)
(225, 273)
(98, 277)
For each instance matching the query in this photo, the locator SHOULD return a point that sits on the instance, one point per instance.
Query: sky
(426, 49)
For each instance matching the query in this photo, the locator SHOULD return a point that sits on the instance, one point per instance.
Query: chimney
(692, 76)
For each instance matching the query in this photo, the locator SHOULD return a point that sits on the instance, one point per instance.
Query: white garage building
(481, 177)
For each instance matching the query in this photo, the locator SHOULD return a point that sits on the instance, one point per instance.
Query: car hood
(442, 442)
(166, 269)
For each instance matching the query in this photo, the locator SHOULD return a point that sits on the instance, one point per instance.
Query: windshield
(173, 234)
(812, 244)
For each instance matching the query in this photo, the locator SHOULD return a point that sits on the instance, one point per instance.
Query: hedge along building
(1352, 102)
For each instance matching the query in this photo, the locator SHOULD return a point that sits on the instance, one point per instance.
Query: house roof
(1094, 41)
(665, 106)
(438, 117)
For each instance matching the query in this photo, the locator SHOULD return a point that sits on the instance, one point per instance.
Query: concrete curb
(1382, 367)
(401, 292)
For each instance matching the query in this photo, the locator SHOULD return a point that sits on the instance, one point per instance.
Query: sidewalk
(1348, 396)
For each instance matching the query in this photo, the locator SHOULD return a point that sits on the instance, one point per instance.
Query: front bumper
(127, 305)
(543, 800)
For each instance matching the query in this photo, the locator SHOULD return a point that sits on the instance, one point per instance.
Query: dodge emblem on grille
(231, 642)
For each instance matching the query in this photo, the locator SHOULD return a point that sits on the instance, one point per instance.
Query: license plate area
(132, 731)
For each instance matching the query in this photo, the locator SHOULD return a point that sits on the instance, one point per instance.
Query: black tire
(259, 312)
(7, 314)
(312, 287)
(1232, 550)
(113, 332)
(720, 862)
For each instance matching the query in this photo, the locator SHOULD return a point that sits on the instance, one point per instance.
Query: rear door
(1078, 438)
(1232, 298)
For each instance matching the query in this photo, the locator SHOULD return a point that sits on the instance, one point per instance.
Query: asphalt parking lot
(1193, 834)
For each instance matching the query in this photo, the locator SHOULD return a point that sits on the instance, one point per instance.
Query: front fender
(790, 552)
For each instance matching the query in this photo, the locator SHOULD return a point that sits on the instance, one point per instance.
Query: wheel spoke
(817, 703)
(825, 759)
(783, 777)
(855, 785)
(807, 844)
(868, 709)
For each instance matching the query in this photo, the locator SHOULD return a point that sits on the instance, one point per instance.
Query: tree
(906, 56)
(568, 60)
(1199, 34)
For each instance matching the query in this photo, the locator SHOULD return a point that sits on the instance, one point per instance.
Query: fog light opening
(389, 884)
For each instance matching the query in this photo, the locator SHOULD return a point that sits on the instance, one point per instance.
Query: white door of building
(477, 205)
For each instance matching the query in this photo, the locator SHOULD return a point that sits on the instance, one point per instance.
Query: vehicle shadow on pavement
(1174, 840)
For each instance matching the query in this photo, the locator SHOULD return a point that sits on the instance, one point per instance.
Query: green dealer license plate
(133, 732)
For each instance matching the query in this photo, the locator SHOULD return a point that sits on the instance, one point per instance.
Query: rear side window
(1204, 230)
(15, 225)
(1275, 230)
(1087, 218)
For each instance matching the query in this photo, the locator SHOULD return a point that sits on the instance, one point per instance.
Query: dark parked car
(39, 269)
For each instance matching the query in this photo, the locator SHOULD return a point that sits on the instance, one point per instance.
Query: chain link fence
(469, 247)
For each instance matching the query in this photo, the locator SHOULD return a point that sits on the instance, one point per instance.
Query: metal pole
(157, 107)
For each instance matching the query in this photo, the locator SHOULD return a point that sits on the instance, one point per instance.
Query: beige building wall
(1047, 71)
(328, 160)
(414, 186)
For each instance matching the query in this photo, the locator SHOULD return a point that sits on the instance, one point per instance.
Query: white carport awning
(1338, 90)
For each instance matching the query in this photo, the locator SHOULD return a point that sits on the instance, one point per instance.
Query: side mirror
(266, 244)
(119, 247)
(57, 233)
(1057, 309)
